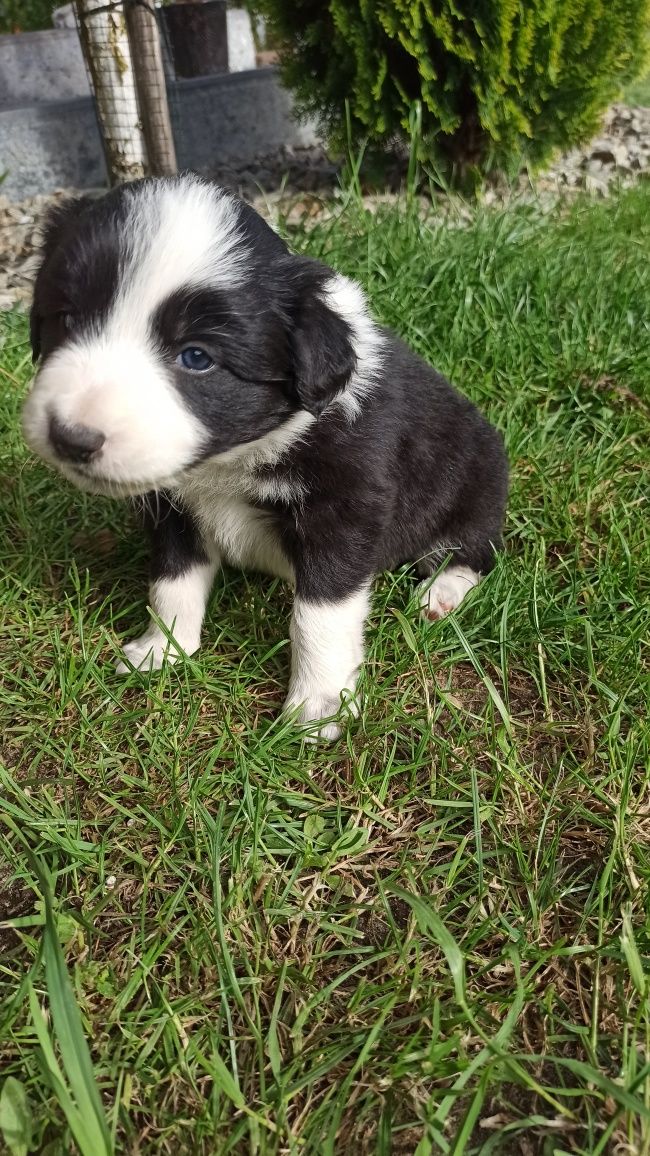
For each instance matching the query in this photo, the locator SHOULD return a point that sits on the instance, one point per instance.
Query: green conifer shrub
(499, 81)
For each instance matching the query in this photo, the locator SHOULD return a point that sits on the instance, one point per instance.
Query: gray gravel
(620, 154)
(19, 236)
(302, 180)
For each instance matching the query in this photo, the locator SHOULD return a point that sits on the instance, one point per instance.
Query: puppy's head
(173, 326)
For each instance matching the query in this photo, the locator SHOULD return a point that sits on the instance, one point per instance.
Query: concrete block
(36, 67)
(64, 17)
(241, 46)
(217, 120)
(233, 118)
(50, 146)
(41, 66)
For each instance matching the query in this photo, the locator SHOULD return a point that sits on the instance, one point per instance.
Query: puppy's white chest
(246, 537)
(243, 535)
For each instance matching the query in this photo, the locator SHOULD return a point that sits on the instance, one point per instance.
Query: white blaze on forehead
(178, 233)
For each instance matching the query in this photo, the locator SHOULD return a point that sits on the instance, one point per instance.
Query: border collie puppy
(187, 355)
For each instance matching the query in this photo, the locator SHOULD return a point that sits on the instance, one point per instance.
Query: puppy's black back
(419, 475)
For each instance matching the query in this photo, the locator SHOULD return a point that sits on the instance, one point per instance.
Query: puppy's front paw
(308, 712)
(150, 652)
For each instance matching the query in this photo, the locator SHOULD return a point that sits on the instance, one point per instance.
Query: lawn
(432, 936)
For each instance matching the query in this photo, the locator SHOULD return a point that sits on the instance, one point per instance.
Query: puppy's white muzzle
(107, 415)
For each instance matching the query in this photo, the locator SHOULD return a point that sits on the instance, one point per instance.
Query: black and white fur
(309, 443)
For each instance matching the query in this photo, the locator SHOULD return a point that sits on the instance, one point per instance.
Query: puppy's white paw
(446, 592)
(308, 711)
(151, 651)
(326, 654)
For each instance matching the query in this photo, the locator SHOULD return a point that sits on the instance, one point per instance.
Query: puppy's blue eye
(195, 359)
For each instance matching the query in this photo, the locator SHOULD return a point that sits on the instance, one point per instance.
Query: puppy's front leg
(182, 574)
(326, 653)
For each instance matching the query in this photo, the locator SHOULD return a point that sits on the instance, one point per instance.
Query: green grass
(432, 936)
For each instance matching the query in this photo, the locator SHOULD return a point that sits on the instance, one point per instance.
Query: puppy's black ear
(59, 221)
(322, 341)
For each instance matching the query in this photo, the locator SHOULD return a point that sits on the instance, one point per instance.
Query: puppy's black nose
(75, 443)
